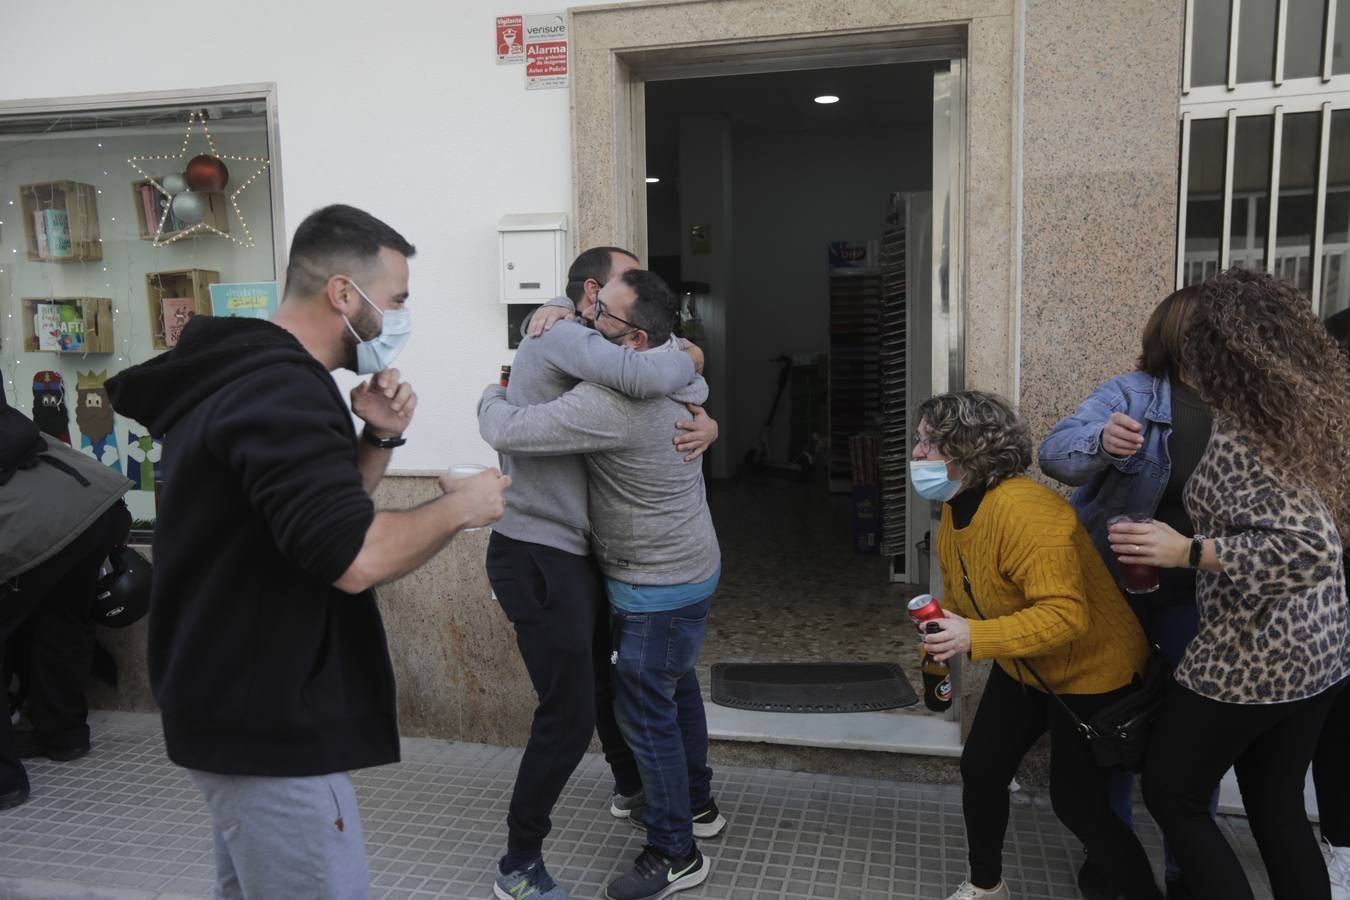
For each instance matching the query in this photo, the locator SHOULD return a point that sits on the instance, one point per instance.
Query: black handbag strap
(1083, 727)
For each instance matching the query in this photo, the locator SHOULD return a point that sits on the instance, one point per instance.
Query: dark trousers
(56, 597)
(1269, 746)
(1170, 619)
(661, 713)
(557, 603)
(1010, 719)
(1331, 772)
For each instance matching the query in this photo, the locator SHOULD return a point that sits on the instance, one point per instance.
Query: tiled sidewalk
(125, 823)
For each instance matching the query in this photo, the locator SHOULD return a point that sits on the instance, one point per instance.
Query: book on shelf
(177, 311)
(150, 210)
(47, 326)
(58, 232)
(40, 232)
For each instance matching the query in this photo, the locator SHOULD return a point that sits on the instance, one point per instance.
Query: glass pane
(1209, 42)
(1336, 230)
(1256, 40)
(1298, 205)
(1340, 45)
(1204, 199)
(1303, 23)
(1251, 192)
(125, 226)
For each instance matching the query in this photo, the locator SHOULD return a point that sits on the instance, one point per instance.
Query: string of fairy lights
(26, 278)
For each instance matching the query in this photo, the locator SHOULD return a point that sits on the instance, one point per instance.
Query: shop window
(118, 224)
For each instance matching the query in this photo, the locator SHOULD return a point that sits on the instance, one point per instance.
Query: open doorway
(799, 232)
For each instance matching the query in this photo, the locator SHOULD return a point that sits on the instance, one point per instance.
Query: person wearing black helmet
(60, 514)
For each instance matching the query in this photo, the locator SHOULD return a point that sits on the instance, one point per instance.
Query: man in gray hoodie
(653, 536)
(541, 570)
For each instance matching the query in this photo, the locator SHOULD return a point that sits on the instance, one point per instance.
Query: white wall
(397, 108)
(794, 193)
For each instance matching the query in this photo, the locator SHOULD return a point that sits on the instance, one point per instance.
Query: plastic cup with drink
(1137, 578)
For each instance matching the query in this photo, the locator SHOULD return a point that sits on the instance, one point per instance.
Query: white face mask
(929, 477)
(378, 353)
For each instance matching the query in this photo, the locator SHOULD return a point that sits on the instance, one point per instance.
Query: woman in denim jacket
(1130, 448)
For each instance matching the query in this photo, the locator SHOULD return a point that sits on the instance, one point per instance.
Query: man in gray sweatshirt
(653, 536)
(541, 570)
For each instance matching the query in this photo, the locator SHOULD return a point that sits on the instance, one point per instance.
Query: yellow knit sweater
(1046, 595)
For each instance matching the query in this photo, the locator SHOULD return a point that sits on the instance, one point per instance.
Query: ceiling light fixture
(652, 180)
(825, 99)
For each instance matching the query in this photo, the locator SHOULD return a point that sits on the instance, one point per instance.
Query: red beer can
(924, 609)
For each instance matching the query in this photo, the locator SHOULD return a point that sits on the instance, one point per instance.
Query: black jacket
(260, 666)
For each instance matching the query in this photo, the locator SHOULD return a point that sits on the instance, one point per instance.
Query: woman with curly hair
(1024, 587)
(1273, 648)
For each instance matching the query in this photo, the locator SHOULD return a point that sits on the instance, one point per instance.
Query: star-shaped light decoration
(197, 116)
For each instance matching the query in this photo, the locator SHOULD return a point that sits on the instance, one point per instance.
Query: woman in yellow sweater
(1039, 594)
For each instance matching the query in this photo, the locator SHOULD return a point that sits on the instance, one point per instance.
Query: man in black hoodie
(266, 650)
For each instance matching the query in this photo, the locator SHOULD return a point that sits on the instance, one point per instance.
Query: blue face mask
(379, 353)
(929, 477)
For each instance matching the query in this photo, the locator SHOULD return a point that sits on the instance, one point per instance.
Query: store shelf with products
(60, 221)
(67, 324)
(150, 203)
(172, 297)
(855, 365)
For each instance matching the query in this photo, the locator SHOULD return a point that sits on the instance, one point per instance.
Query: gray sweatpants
(297, 838)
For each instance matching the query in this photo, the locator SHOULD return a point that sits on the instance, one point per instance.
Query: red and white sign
(546, 51)
(510, 40)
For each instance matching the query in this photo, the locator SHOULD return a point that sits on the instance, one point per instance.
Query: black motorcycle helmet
(123, 593)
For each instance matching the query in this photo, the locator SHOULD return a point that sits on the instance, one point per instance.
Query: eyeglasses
(924, 444)
(601, 312)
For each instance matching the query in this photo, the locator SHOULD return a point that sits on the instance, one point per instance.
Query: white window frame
(1275, 98)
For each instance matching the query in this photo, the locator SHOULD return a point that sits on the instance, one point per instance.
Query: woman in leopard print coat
(1273, 649)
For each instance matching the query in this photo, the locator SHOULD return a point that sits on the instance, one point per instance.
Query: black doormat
(811, 687)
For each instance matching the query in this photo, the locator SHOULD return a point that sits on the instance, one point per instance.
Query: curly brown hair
(1259, 356)
(980, 432)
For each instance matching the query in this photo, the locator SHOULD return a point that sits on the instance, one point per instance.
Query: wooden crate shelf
(148, 229)
(95, 314)
(191, 283)
(78, 201)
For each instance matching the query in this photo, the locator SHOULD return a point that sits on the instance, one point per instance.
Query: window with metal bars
(1265, 144)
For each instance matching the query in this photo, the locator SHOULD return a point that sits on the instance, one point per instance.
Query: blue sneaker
(656, 875)
(530, 883)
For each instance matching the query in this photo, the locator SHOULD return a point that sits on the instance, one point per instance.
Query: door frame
(616, 49)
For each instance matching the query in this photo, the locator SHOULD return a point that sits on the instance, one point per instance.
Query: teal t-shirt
(647, 598)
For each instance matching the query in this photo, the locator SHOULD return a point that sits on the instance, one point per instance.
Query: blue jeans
(660, 712)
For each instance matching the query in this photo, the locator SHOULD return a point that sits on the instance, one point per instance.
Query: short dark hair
(1165, 333)
(596, 263)
(1339, 326)
(336, 240)
(655, 308)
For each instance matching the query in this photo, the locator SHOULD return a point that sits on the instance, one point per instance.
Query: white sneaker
(968, 891)
(1338, 868)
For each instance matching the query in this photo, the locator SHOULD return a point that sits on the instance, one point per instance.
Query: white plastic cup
(467, 470)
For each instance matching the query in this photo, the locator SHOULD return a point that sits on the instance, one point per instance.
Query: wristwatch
(1197, 548)
(383, 443)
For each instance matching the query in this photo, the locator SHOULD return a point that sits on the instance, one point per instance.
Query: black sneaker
(1095, 882)
(708, 821)
(16, 796)
(656, 875)
(28, 747)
